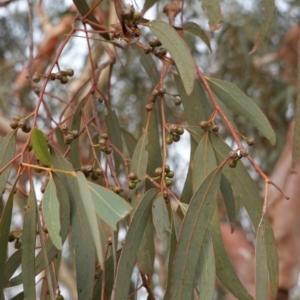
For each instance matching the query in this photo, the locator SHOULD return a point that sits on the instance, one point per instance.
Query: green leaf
(246, 191)
(261, 270)
(236, 100)
(179, 51)
(40, 146)
(140, 157)
(76, 121)
(191, 237)
(198, 31)
(88, 205)
(12, 265)
(207, 268)
(130, 141)
(132, 244)
(28, 246)
(148, 4)
(161, 220)
(204, 161)
(7, 153)
(51, 214)
(113, 126)
(4, 234)
(228, 199)
(268, 6)
(52, 251)
(109, 206)
(213, 12)
(149, 65)
(224, 268)
(81, 233)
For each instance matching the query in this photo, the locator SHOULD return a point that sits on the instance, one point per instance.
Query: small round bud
(149, 107)
(59, 297)
(136, 16)
(170, 174)
(155, 93)
(162, 91)
(232, 163)
(36, 77)
(163, 51)
(154, 43)
(167, 168)
(68, 139)
(102, 142)
(108, 150)
(176, 138)
(117, 189)
(147, 50)
(52, 76)
(26, 129)
(132, 176)
(204, 124)
(64, 128)
(16, 118)
(179, 130)
(22, 124)
(165, 194)
(169, 139)
(172, 128)
(177, 101)
(158, 171)
(127, 14)
(104, 135)
(58, 75)
(168, 182)
(215, 128)
(94, 176)
(132, 185)
(64, 79)
(75, 133)
(69, 72)
(98, 171)
(45, 229)
(250, 142)
(89, 169)
(18, 244)
(109, 241)
(14, 124)
(11, 237)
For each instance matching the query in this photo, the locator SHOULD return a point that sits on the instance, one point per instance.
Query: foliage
(100, 140)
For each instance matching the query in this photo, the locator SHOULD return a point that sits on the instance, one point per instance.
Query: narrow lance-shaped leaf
(131, 245)
(191, 237)
(179, 52)
(40, 146)
(51, 213)
(213, 12)
(246, 191)
(88, 205)
(28, 247)
(4, 234)
(161, 220)
(268, 7)
(261, 273)
(109, 206)
(207, 268)
(198, 31)
(204, 161)
(224, 268)
(7, 153)
(236, 100)
(80, 230)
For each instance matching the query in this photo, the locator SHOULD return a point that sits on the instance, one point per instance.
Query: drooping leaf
(81, 233)
(207, 268)
(195, 29)
(179, 52)
(88, 205)
(40, 146)
(261, 270)
(131, 245)
(172, 246)
(228, 199)
(7, 153)
(149, 66)
(52, 251)
(161, 220)
(140, 157)
(224, 268)
(204, 161)
(246, 191)
(268, 6)
(5, 222)
(110, 207)
(236, 100)
(51, 214)
(76, 121)
(113, 126)
(12, 265)
(191, 237)
(28, 246)
(213, 12)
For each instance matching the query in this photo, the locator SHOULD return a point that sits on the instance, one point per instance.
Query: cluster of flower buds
(17, 122)
(62, 76)
(103, 144)
(133, 180)
(169, 174)
(175, 132)
(209, 124)
(155, 93)
(88, 170)
(69, 135)
(155, 48)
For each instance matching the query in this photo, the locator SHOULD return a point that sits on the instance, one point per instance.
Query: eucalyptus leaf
(179, 52)
(213, 12)
(40, 146)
